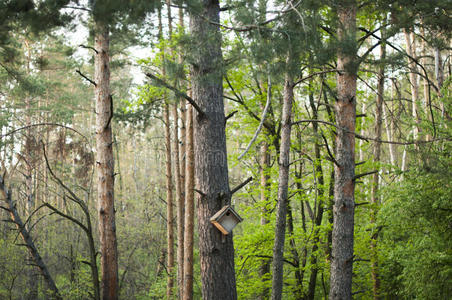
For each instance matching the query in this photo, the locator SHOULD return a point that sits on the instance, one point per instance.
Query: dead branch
(84, 76)
(234, 190)
(178, 93)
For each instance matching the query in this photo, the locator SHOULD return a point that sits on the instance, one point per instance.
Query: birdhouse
(226, 219)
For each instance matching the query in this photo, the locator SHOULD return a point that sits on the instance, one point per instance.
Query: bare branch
(178, 93)
(89, 47)
(234, 190)
(365, 174)
(84, 76)
(264, 114)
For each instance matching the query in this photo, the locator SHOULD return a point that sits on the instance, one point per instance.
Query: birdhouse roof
(223, 211)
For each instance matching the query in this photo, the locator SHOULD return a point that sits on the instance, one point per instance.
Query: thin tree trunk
(321, 195)
(331, 118)
(344, 184)
(426, 85)
(439, 75)
(283, 186)
(169, 206)
(298, 292)
(265, 190)
(216, 251)
(181, 201)
(32, 280)
(389, 126)
(105, 164)
(376, 177)
(189, 209)
(411, 50)
(169, 176)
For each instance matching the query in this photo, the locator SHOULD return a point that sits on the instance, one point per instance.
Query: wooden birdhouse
(226, 219)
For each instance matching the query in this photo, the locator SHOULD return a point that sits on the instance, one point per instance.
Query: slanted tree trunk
(344, 184)
(376, 177)
(28, 240)
(216, 252)
(105, 164)
(283, 186)
(189, 208)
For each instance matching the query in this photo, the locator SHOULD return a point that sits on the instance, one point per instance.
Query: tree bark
(169, 206)
(189, 209)
(183, 167)
(216, 252)
(283, 186)
(169, 174)
(344, 184)
(376, 177)
(105, 164)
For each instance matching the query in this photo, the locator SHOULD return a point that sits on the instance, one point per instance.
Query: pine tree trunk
(169, 206)
(283, 186)
(344, 184)
(183, 157)
(105, 165)
(189, 209)
(216, 252)
(376, 177)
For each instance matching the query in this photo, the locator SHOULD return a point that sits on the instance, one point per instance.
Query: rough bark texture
(344, 185)
(376, 177)
(283, 185)
(189, 209)
(105, 165)
(34, 254)
(216, 252)
(169, 206)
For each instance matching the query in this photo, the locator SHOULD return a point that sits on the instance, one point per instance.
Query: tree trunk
(283, 186)
(265, 189)
(344, 184)
(216, 252)
(169, 206)
(411, 50)
(376, 177)
(105, 164)
(298, 291)
(189, 209)
(321, 196)
(169, 174)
